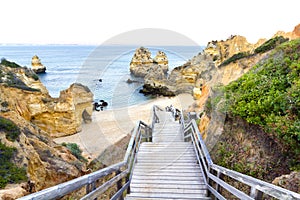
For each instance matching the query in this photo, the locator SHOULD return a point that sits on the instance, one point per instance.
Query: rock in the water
(141, 62)
(36, 65)
(162, 60)
(157, 90)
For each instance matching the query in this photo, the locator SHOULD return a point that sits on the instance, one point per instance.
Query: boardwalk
(167, 168)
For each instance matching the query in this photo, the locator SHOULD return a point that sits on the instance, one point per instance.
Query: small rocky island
(153, 70)
(37, 66)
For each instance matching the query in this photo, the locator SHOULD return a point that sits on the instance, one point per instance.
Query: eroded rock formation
(30, 99)
(141, 62)
(26, 102)
(36, 65)
(46, 163)
(291, 35)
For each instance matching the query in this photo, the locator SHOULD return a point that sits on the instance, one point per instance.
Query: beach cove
(110, 126)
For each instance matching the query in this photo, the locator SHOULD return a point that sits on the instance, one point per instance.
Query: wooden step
(169, 186)
(168, 182)
(145, 198)
(167, 168)
(160, 178)
(168, 195)
(166, 173)
(200, 192)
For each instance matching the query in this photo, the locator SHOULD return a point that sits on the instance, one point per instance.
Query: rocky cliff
(142, 62)
(25, 94)
(29, 119)
(219, 65)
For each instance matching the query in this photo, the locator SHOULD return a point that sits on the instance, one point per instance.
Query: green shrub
(270, 44)
(9, 172)
(269, 95)
(235, 57)
(11, 130)
(31, 74)
(75, 150)
(14, 81)
(9, 63)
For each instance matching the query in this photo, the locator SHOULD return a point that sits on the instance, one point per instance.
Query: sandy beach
(110, 126)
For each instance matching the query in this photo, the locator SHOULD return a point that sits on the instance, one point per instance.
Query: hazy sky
(96, 21)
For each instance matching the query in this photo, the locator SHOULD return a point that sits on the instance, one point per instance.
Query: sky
(97, 21)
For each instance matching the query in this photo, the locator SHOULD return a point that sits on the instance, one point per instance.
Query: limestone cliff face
(26, 102)
(222, 50)
(291, 35)
(210, 72)
(141, 62)
(64, 115)
(46, 163)
(58, 116)
(36, 65)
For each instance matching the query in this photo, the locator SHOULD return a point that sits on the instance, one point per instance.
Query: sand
(110, 126)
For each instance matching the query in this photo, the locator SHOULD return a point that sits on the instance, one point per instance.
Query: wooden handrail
(258, 187)
(125, 167)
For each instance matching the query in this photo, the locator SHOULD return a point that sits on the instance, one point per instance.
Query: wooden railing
(220, 180)
(120, 172)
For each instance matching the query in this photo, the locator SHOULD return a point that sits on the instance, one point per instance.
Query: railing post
(127, 180)
(119, 184)
(90, 187)
(256, 194)
(220, 176)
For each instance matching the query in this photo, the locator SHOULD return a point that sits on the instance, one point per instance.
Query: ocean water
(67, 64)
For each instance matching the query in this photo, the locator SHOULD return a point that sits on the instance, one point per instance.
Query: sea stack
(141, 62)
(36, 65)
(162, 60)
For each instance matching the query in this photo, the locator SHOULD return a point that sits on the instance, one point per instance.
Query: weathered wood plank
(145, 198)
(158, 173)
(165, 157)
(172, 170)
(167, 162)
(170, 186)
(160, 178)
(176, 169)
(181, 182)
(167, 195)
(179, 191)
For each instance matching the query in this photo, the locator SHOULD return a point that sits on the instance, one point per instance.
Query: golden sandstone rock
(39, 116)
(36, 65)
(141, 62)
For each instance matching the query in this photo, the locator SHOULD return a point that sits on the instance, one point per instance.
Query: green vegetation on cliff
(9, 172)
(75, 150)
(10, 129)
(261, 133)
(270, 44)
(236, 57)
(266, 46)
(269, 95)
(9, 77)
(9, 63)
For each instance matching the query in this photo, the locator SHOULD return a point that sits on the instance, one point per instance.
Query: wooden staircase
(167, 168)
